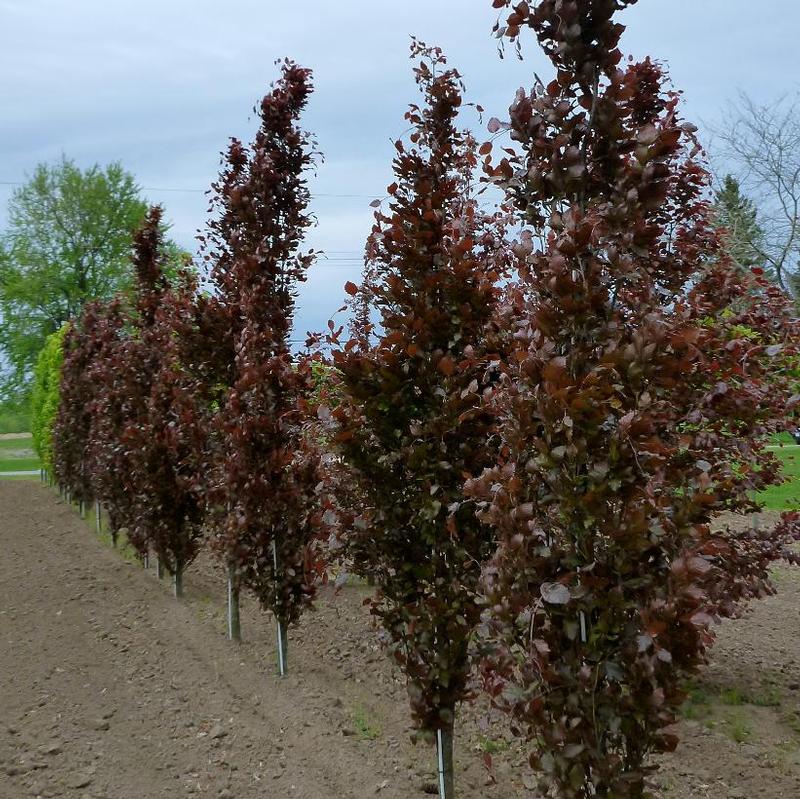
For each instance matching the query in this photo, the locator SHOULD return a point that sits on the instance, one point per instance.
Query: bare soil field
(111, 689)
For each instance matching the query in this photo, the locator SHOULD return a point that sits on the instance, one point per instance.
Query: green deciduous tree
(68, 241)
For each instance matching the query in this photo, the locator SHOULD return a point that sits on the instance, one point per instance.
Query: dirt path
(110, 689)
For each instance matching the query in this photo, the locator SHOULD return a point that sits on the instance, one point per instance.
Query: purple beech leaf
(555, 593)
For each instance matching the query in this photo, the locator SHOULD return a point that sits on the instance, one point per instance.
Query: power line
(206, 191)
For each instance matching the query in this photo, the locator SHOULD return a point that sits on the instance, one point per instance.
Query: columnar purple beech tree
(267, 475)
(411, 424)
(108, 462)
(645, 379)
(136, 364)
(124, 369)
(168, 442)
(72, 453)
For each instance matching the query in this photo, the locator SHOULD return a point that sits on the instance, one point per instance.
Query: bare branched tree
(760, 144)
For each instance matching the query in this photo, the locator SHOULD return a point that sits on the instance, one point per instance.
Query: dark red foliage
(169, 444)
(72, 453)
(95, 348)
(266, 473)
(109, 410)
(411, 425)
(148, 436)
(131, 372)
(645, 381)
(574, 47)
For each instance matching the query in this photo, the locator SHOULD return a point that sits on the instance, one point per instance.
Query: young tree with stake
(169, 442)
(646, 378)
(124, 370)
(266, 472)
(72, 454)
(107, 411)
(411, 425)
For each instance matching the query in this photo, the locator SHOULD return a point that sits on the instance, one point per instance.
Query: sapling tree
(71, 450)
(136, 365)
(109, 410)
(267, 472)
(167, 441)
(411, 425)
(646, 377)
(123, 371)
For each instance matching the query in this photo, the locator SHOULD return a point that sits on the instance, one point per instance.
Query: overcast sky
(160, 86)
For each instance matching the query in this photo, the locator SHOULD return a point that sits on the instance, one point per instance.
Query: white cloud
(160, 85)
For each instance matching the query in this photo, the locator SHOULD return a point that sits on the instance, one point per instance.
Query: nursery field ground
(16, 454)
(110, 689)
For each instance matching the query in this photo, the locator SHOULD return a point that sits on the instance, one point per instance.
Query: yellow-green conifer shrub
(45, 396)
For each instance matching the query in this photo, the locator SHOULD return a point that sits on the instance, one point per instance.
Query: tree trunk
(234, 621)
(146, 561)
(97, 524)
(159, 568)
(444, 757)
(178, 580)
(114, 537)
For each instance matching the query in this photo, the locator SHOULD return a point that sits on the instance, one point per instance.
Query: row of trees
(194, 398)
(525, 435)
(69, 230)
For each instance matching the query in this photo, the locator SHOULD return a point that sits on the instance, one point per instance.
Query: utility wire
(205, 191)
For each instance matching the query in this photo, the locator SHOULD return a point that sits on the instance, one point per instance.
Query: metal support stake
(282, 636)
(444, 755)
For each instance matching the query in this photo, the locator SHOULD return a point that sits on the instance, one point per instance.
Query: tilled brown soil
(110, 689)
